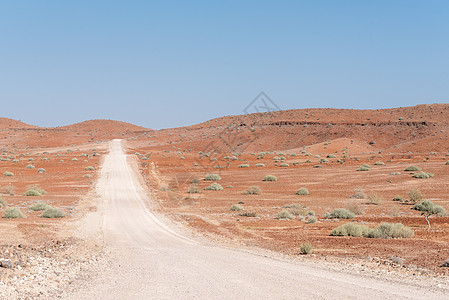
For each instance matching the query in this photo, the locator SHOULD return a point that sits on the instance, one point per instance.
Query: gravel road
(151, 261)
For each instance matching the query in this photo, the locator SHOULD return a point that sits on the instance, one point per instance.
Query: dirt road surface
(151, 261)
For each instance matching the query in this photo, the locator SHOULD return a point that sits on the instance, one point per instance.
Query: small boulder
(5, 263)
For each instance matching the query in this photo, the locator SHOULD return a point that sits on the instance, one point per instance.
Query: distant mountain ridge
(90, 125)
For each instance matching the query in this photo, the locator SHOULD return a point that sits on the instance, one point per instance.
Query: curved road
(153, 262)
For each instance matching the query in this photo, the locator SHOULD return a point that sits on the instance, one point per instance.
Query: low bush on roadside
(53, 213)
(412, 169)
(244, 166)
(252, 190)
(260, 165)
(40, 206)
(302, 191)
(8, 174)
(306, 248)
(214, 187)
(3, 202)
(87, 176)
(30, 167)
(236, 207)
(270, 178)
(379, 163)
(423, 175)
(89, 168)
(284, 165)
(285, 215)
(41, 170)
(13, 213)
(212, 177)
(341, 213)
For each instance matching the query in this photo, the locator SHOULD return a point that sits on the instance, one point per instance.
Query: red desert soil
(319, 149)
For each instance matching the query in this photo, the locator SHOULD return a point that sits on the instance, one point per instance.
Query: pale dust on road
(150, 261)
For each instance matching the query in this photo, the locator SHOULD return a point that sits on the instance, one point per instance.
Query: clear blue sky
(165, 64)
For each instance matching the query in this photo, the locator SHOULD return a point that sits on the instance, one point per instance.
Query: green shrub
(244, 166)
(379, 163)
(423, 175)
(341, 213)
(284, 165)
(390, 230)
(248, 214)
(412, 169)
(331, 156)
(41, 170)
(87, 176)
(53, 213)
(40, 206)
(236, 207)
(430, 208)
(260, 165)
(74, 159)
(311, 220)
(302, 191)
(8, 174)
(285, 215)
(89, 168)
(397, 198)
(212, 177)
(13, 213)
(364, 167)
(33, 192)
(30, 167)
(214, 187)
(270, 178)
(350, 229)
(306, 248)
(447, 163)
(252, 190)
(3, 202)
(415, 196)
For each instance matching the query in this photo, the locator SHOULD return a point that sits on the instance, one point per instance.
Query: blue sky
(165, 64)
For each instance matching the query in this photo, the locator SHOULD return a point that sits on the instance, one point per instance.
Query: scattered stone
(5, 263)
